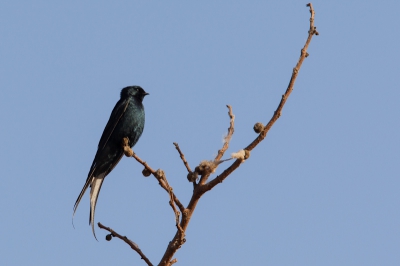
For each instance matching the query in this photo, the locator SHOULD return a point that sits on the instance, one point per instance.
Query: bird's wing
(116, 114)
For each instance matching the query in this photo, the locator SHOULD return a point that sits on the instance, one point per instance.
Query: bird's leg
(125, 145)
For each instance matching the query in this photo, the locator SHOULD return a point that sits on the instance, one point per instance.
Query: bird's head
(133, 91)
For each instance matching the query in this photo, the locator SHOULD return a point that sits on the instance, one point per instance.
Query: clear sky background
(322, 189)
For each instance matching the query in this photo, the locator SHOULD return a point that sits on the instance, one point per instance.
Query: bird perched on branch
(126, 121)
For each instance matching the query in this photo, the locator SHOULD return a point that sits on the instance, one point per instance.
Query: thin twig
(289, 89)
(182, 157)
(162, 183)
(161, 175)
(132, 244)
(144, 164)
(162, 180)
(228, 137)
(225, 146)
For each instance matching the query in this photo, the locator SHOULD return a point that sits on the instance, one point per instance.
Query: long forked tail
(78, 200)
(94, 194)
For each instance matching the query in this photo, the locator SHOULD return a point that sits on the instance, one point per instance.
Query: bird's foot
(127, 150)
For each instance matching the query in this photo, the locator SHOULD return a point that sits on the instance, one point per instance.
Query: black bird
(126, 120)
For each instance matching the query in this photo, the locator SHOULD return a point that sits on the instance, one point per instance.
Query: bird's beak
(146, 93)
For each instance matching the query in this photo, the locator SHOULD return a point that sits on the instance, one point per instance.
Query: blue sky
(322, 189)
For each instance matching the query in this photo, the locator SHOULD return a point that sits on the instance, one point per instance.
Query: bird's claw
(125, 145)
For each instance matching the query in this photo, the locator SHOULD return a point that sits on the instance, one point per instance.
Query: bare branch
(132, 244)
(228, 137)
(162, 180)
(289, 89)
(221, 152)
(182, 157)
(152, 171)
(159, 174)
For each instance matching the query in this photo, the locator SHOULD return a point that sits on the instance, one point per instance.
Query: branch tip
(228, 137)
(182, 157)
(132, 244)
